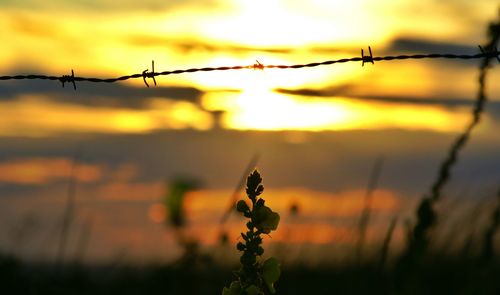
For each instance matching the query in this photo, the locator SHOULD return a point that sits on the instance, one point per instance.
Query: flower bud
(242, 206)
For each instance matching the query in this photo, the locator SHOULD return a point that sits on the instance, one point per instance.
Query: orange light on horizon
(314, 223)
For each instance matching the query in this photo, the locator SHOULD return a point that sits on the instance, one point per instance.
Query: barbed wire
(256, 66)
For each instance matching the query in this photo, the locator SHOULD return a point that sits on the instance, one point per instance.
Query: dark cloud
(327, 161)
(492, 108)
(187, 46)
(415, 45)
(334, 48)
(407, 45)
(345, 91)
(324, 92)
(402, 45)
(106, 5)
(99, 95)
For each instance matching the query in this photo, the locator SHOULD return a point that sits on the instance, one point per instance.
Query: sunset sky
(318, 130)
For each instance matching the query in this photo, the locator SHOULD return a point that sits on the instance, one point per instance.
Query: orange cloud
(124, 172)
(44, 170)
(342, 204)
(120, 191)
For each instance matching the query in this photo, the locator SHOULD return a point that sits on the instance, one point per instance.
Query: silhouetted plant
(489, 235)
(174, 200)
(236, 192)
(426, 216)
(69, 211)
(365, 215)
(384, 251)
(174, 203)
(255, 277)
(294, 209)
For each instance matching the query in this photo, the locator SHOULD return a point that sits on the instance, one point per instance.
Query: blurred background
(124, 174)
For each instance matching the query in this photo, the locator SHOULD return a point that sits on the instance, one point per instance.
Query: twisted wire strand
(145, 74)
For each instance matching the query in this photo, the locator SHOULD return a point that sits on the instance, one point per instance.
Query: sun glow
(263, 109)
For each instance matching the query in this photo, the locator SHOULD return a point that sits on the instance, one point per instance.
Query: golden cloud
(37, 116)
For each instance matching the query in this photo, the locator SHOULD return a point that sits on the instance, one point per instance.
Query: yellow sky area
(39, 116)
(302, 23)
(272, 78)
(255, 108)
(278, 23)
(125, 44)
(100, 46)
(111, 44)
(91, 41)
(36, 171)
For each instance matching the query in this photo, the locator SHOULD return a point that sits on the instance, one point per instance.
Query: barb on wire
(68, 78)
(490, 52)
(258, 66)
(152, 74)
(366, 58)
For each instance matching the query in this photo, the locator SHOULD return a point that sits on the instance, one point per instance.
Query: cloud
(38, 171)
(99, 95)
(419, 45)
(187, 46)
(325, 92)
(109, 6)
(346, 92)
(130, 191)
(40, 116)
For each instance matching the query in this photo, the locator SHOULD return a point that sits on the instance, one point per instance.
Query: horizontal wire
(258, 65)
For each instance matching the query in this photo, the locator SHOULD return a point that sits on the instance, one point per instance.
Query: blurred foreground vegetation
(437, 275)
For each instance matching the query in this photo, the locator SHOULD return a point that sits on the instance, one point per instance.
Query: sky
(318, 131)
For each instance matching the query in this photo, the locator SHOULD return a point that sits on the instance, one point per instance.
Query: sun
(262, 108)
